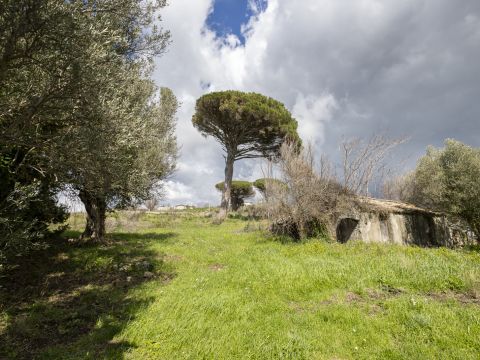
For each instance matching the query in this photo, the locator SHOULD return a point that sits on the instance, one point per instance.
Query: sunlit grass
(226, 292)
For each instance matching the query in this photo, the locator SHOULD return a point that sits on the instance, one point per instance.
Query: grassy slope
(237, 295)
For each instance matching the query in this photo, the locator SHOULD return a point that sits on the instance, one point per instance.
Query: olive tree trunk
(96, 213)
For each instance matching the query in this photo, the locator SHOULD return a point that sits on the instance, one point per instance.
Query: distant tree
(247, 125)
(241, 190)
(263, 184)
(151, 203)
(447, 180)
(399, 187)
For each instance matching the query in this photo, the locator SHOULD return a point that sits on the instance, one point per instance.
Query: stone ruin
(385, 221)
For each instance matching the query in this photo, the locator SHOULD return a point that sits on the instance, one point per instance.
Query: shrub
(303, 203)
(26, 211)
(151, 204)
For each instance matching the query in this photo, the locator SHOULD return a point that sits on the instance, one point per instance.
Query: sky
(228, 16)
(344, 69)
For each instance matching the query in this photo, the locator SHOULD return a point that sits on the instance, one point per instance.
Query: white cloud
(178, 192)
(343, 67)
(313, 113)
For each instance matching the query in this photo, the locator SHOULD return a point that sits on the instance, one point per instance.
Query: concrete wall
(414, 228)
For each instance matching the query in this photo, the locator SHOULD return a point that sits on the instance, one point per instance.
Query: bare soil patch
(217, 267)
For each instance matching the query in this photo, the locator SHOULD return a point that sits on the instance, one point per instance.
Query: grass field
(174, 286)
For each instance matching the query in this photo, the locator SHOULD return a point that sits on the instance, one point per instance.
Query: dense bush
(27, 208)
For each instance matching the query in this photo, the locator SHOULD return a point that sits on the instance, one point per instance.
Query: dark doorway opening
(345, 228)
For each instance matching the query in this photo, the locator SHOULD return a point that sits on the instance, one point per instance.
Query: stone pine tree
(247, 125)
(240, 191)
(263, 185)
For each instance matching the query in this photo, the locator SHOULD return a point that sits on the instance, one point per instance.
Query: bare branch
(363, 161)
(302, 202)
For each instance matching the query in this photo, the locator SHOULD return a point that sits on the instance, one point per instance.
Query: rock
(145, 265)
(126, 267)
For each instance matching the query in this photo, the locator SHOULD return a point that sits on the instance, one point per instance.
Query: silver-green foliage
(447, 179)
(76, 99)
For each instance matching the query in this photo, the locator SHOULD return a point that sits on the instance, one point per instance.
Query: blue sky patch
(228, 16)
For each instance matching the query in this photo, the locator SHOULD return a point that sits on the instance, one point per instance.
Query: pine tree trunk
(226, 203)
(96, 214)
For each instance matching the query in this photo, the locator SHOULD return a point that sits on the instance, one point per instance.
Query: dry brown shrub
(305, 202)
(364, 161)
(399, 188)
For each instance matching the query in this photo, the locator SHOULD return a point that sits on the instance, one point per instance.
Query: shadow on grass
(70, 301)
(156, 237)
(243, 216)
(472, 248)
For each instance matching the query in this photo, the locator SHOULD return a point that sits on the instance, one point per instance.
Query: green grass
(229, 292)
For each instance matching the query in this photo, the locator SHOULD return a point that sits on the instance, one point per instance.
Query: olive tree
(42, 50)
(77, 107)
(240, 191)
(126, 155)
(247, 125)
(446, 180)
(43, 47)
(57, 56)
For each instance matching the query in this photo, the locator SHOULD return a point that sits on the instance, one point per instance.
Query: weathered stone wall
(412, 227)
